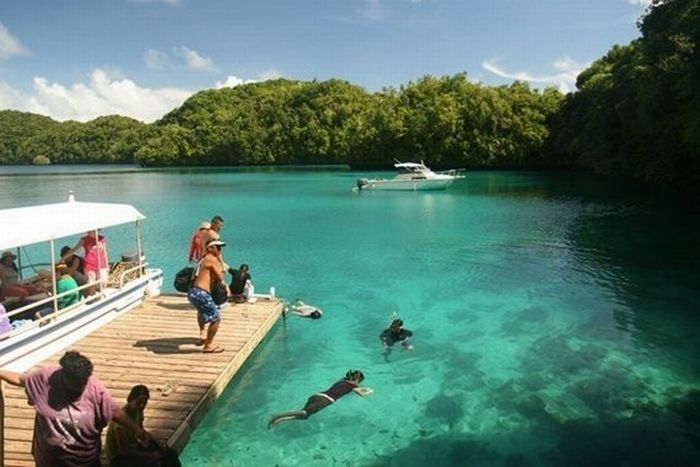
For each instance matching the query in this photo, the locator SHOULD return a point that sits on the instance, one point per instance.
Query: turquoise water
(556, 316)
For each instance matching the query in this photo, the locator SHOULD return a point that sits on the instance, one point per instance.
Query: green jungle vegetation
(635, 112)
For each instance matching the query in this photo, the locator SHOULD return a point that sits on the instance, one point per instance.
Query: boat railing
(56, 313)
(457, 173)
(36, 305)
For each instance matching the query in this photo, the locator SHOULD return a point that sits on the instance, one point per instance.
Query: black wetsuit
(390, 338)
(324, 399)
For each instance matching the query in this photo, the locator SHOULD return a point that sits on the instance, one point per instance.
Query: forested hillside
(636, 112)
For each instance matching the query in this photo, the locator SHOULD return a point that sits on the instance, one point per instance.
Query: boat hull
(408, 185)
(21, 352)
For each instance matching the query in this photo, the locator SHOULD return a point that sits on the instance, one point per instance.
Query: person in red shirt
(196, 244)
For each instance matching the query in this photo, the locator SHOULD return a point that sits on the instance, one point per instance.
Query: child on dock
(321, 400)
(123, 449)
(72, 407)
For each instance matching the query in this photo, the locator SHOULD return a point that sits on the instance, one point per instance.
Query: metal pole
(138, 245)
(99, 260)
(53, 275)
(19, 263)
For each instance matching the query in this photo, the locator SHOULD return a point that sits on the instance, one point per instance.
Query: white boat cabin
(34, 320)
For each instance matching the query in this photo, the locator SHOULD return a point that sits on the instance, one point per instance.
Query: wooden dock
(155, 345)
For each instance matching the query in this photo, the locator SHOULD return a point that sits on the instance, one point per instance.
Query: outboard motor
(361, 183)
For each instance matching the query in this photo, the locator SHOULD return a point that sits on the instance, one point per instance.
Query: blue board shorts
(202, 301)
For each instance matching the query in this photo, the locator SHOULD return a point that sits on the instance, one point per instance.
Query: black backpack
(184, 278)
(219, 293)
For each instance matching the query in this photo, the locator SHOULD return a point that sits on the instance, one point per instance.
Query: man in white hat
(209, 274)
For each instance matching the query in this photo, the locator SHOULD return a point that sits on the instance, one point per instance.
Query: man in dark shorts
(208, 273)
(321, 400)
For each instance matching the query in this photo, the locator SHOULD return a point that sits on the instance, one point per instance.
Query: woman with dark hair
(72, 407)
(321, 400)
(123, 449)
(76, 266)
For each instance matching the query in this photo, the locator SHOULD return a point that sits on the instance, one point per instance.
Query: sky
(81, 59)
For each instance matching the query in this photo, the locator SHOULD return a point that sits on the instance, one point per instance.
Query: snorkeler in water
(396, 333)
(300, 308)
(321, 400)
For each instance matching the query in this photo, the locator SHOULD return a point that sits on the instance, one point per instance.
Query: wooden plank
(155, 345)
(182, 435)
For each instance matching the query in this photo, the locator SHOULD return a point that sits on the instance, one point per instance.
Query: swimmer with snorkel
(321, 400)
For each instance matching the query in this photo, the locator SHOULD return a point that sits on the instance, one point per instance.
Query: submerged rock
(534, 315)
(565, 407)
(445, 409)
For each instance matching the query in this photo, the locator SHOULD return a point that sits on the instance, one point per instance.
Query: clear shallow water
(555, 315)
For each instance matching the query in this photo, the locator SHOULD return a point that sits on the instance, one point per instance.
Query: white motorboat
(52, 329)
(412, 176)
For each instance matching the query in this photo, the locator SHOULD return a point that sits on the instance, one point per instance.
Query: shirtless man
(209, 272)
(212, 233)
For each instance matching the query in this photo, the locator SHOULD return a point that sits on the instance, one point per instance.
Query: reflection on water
(555, 315)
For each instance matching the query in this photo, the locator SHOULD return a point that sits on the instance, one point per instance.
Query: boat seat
(116, 271)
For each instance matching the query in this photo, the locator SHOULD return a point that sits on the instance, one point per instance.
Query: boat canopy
(409, 165)
(35, 224)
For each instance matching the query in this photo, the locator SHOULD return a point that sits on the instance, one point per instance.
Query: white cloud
(183, 57)
(9, 45)
(373, 10)
(105, 93)
(566, 78)
(10, 98)
(101, 95)
(155, 59)
(642, 3)
(194, 60)
(232, 81)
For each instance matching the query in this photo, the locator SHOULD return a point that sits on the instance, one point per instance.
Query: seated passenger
(76, 266)
(66, 283)
(11, 284)
(239, 277)
(123, 449)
